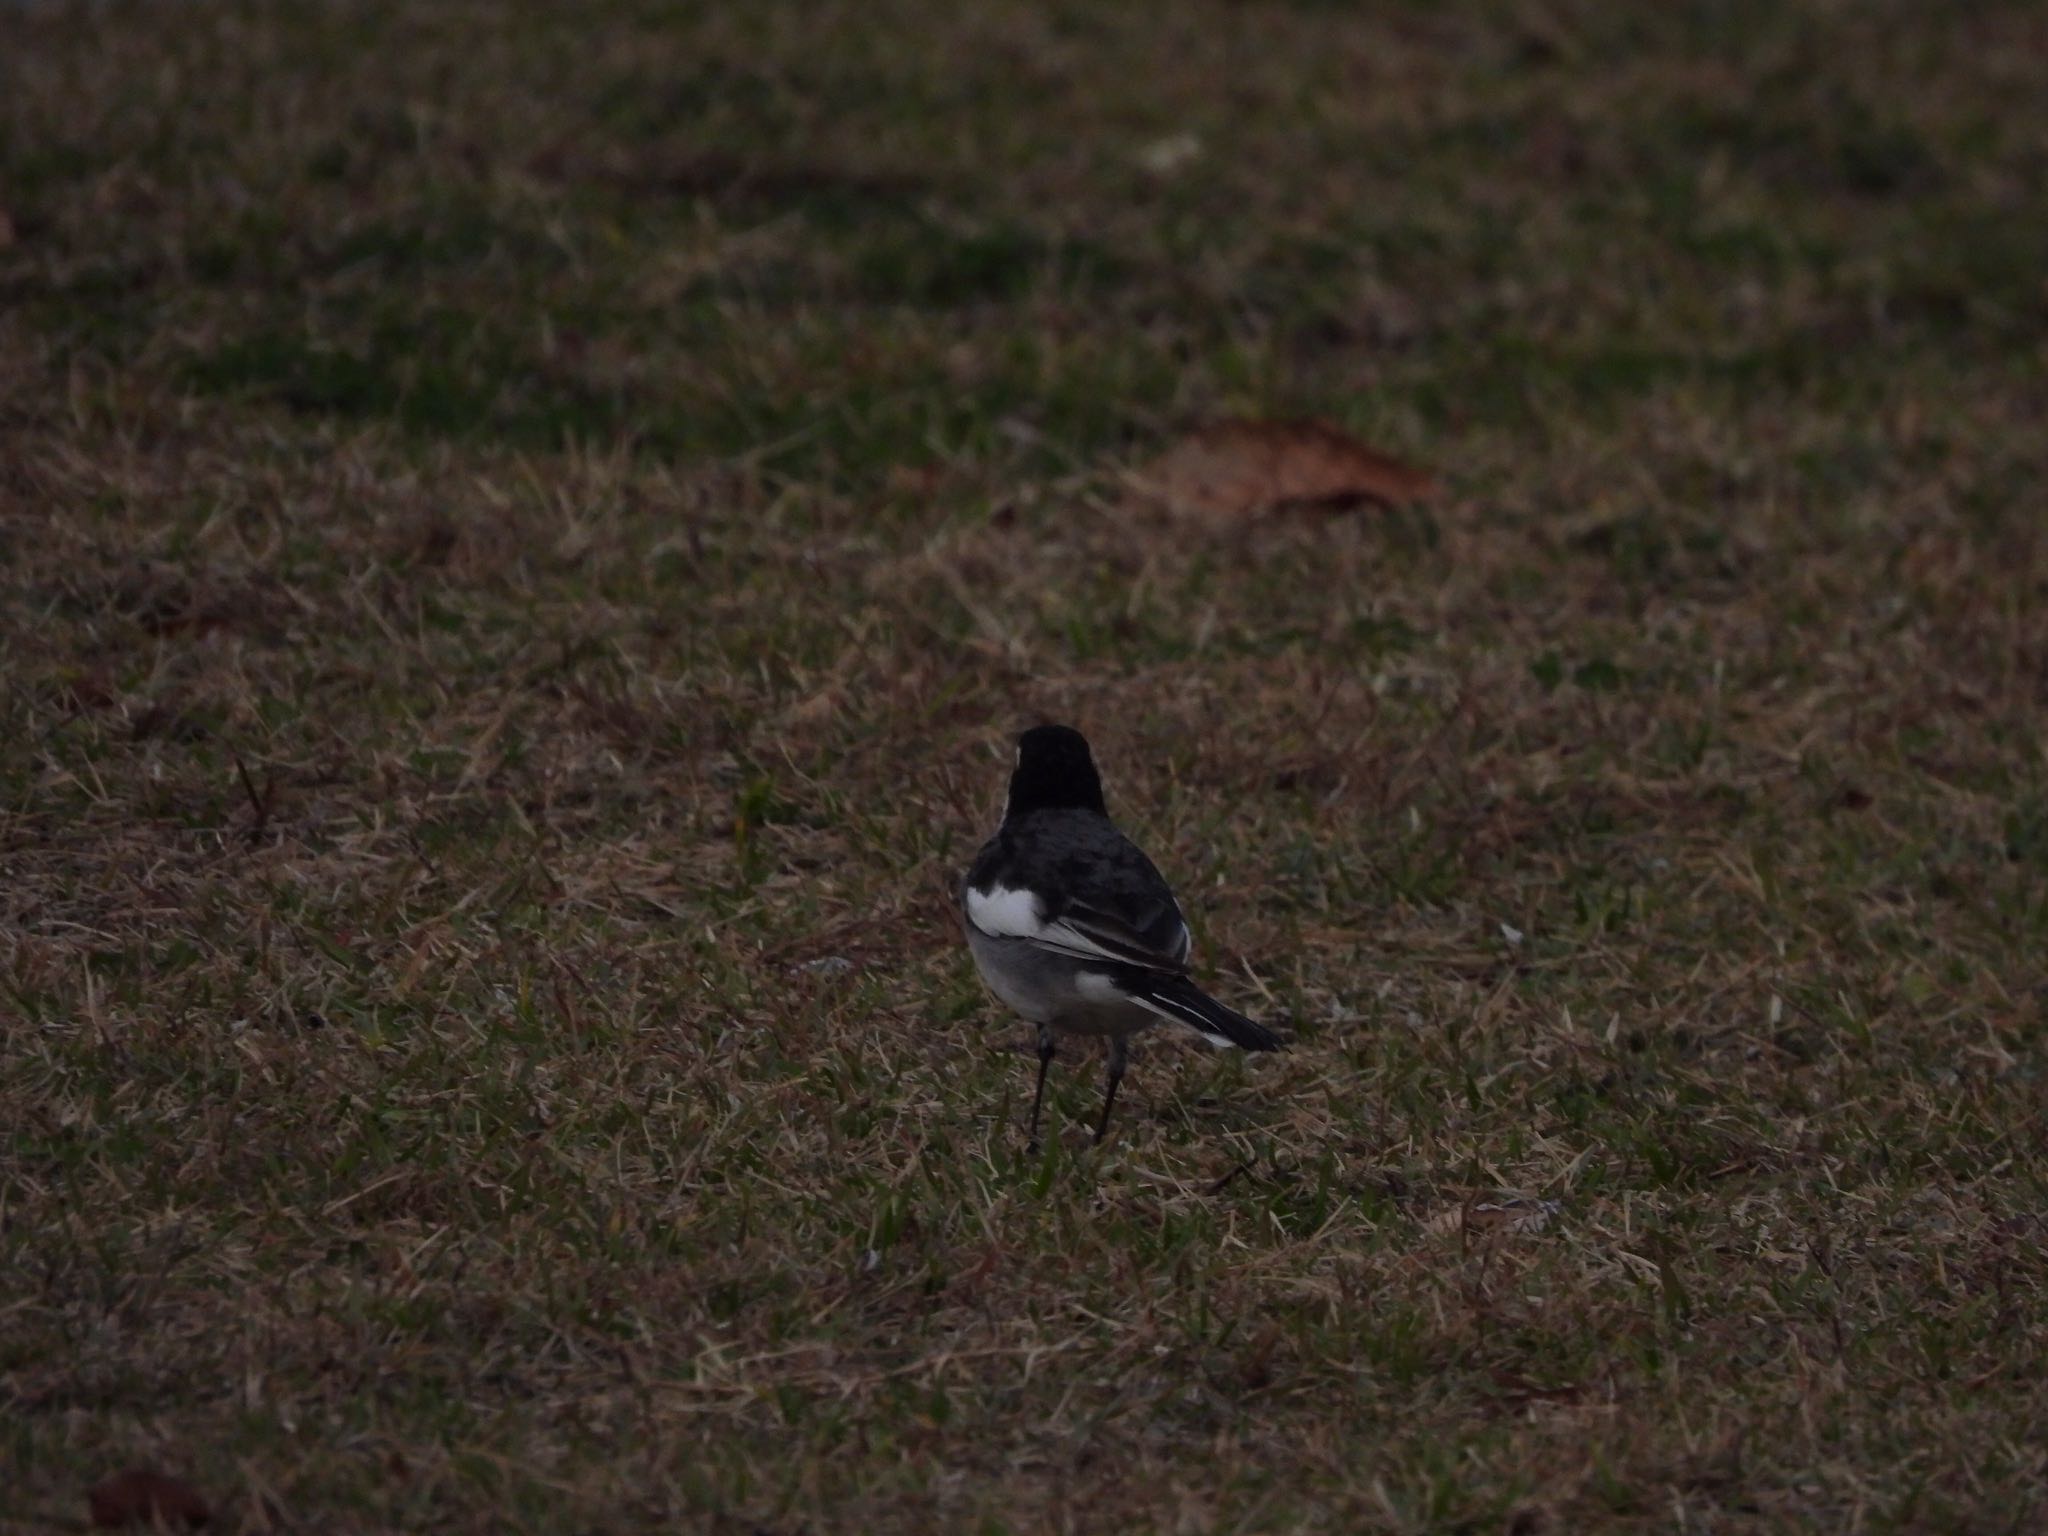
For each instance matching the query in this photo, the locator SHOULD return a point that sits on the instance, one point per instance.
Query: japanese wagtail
(1074, 928)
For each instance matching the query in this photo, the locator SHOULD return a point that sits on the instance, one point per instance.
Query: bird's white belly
(1054, 990)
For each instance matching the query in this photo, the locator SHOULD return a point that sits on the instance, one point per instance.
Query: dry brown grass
(525, 535)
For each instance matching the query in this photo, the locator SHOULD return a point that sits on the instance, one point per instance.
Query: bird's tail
(1178, 999)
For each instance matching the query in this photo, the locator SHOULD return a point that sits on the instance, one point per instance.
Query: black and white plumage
(1072, 926)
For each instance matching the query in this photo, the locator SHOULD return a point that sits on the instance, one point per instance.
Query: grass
(525, 531)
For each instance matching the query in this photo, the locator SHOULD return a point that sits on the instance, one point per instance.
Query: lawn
(526, 532)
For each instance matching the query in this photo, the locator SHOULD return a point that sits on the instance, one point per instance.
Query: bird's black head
(1054, 773)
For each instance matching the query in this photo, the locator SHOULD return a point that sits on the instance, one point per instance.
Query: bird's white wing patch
(1005, 914)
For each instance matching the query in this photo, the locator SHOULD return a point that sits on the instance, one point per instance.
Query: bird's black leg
(1045, 1055)
(1118, 1057)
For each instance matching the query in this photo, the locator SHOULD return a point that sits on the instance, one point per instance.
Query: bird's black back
(1078, 859)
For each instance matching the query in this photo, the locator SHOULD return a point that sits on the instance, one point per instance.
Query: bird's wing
(1082, 930)
(1072, 883)
(1156, 936)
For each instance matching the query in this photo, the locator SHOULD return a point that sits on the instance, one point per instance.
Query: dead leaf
(1243, 468)
(142, 1497)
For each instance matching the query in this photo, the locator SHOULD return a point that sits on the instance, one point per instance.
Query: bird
(1074, 928)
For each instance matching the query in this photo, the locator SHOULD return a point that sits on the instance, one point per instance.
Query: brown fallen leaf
(1243, 468)
(142, 1497)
